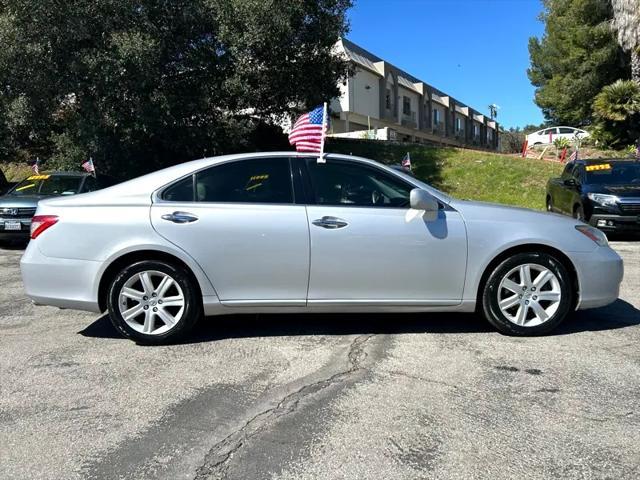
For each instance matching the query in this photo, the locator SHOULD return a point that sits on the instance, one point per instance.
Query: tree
(140, 84)
(626, 22)
(577, 56)
(617, 110)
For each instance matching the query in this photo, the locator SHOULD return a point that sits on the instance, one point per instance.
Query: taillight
(40, 223)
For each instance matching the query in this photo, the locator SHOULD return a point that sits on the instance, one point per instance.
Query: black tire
(578, 213)
(549, 204)
(495, 316)
(192, 307)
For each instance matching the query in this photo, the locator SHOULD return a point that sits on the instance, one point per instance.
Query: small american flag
(573, 156)
(88, 166)
(406, 162)
(309, 130)
(35, 166)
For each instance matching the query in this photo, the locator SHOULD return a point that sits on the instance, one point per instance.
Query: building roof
(366, 59)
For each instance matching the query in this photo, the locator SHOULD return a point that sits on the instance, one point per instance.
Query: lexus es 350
(281, 232)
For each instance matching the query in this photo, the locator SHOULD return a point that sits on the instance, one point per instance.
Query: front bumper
(22, 234)
(59, 282)
(599, 276)
(615, 223)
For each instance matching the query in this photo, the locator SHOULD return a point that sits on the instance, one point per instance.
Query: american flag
(88, 166)
(406, 162)
(308, 132)
(573, 156)
(35, 166)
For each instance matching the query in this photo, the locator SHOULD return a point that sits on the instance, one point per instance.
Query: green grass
(465, 174)
(15, 172)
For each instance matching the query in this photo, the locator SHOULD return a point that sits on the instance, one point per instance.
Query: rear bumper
(60, 282)
(599, 274)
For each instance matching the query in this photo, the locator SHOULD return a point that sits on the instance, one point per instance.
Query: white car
(280, 233)
(548, 135)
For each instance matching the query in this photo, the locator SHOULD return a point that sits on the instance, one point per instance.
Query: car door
(369, 247)
(549, 135)
(562, 198)
(238, 220)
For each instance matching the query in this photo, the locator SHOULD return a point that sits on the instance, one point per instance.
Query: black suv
(604, 193)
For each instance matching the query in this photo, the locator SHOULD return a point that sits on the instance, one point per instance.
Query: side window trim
(312, 189)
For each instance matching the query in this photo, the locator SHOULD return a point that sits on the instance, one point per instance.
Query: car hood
(16, 201)
(625, 190)
(485, 211)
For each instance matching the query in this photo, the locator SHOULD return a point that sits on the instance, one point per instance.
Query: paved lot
(320, 397)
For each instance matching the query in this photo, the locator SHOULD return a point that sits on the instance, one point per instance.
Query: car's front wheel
(527, 294)
(154, 302)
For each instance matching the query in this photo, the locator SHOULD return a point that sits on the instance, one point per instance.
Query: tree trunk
(635, 65)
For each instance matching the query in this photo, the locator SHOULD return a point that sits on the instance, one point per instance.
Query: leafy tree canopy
(146, 83)
(577, 56)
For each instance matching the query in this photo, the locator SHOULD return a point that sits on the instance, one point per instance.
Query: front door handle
(180, 217)
(330, 223)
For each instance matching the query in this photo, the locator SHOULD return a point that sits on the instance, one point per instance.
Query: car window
(567, 130)
(568, 170)
(48, 185)
(260, 180)
(90, 185)
(350, 184)
(181, 191)
(578, 173)
(548, 131)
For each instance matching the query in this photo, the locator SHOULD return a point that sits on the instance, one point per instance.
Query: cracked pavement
(319, 396)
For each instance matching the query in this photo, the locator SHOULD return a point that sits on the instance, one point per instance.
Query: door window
(350, 184)
(549, 131)
(260, 180)
(567, 130)
(568, 170)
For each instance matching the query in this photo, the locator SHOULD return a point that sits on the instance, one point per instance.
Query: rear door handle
(330, 223)
(180, 217)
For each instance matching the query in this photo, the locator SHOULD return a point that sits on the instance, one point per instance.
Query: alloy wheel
(151, 302)
(529, 295)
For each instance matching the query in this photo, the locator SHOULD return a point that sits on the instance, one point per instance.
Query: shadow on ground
(618, 315)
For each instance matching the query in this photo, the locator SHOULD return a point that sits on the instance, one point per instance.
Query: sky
(474, 50)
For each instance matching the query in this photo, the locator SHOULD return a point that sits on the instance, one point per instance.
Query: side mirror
(421, 200)
(570, 182)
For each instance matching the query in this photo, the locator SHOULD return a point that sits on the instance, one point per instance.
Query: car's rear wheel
(154, 302)
(528, 294)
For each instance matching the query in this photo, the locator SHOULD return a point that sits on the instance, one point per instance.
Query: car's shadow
(618, 315)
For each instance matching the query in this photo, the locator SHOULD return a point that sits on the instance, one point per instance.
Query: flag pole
(324, 133)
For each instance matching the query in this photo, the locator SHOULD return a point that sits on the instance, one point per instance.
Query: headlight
(594, 234)
(603, 199)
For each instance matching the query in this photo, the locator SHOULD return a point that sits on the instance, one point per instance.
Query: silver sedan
(283, 232)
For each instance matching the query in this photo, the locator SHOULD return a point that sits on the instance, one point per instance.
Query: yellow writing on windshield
(25, 187)
(39, 177)
(600, 166)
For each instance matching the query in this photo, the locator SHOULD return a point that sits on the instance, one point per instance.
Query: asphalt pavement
(320, 396)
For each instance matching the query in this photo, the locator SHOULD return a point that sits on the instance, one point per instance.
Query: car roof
(65, 174)
(596, 161)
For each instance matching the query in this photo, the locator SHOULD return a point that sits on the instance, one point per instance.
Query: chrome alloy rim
(151, 302)
(529, 295)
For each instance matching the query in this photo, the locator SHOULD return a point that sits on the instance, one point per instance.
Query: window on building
(406, 105)
(387, 99)
(476, 130)
(458, 125)
(436, 117)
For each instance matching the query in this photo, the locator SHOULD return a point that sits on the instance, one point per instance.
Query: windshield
(609, 173)
(47, 185)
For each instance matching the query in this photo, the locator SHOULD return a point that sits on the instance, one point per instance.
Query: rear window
(47, 185)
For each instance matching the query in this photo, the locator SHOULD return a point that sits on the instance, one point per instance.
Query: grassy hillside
(466, 174)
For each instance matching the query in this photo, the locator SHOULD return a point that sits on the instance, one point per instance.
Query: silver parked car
(280, 232)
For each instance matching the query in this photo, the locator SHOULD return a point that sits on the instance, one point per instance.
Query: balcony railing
(409, 120)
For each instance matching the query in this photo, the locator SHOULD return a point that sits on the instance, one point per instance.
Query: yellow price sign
(600, 166)
(39, 177)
